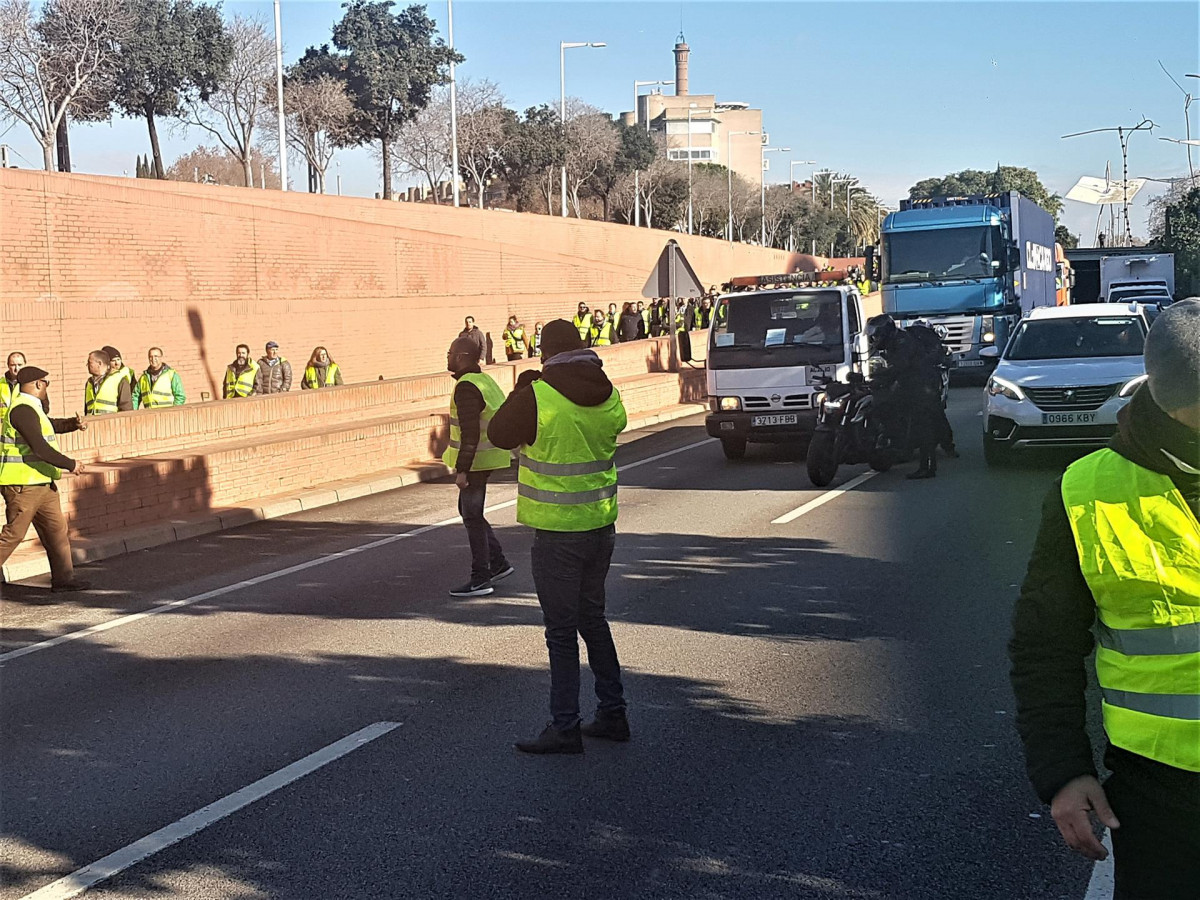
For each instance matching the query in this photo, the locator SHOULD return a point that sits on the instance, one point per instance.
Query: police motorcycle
(847, 431)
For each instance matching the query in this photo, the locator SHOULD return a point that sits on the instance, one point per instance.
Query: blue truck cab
(973, 265)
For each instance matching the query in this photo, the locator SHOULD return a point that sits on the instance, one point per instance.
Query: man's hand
(461, 480)
(529, 376)
(80, 424)
(79, 469)
(1070, 809)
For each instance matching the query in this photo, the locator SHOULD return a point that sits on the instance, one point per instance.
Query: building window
(699, 154)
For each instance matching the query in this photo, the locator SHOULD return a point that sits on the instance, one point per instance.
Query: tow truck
(775, 340)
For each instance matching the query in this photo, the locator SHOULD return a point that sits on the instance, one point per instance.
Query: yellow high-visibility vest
(1139, 550)
(487, 456)
(157, 392)
(313, 381)
(18, 463)
(102, 400)
(240, 385)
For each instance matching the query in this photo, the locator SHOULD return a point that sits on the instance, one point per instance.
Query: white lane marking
(1101, 885)
(282, 573)
(102, 869)
(824, 498)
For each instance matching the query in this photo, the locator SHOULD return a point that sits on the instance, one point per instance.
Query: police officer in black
(930, 344)
(910, 386)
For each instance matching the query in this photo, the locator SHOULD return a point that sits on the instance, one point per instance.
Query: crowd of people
(632, 321)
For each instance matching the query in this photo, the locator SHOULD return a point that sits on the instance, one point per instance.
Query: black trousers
(1156, 851)
(569, 570)
(486, 552)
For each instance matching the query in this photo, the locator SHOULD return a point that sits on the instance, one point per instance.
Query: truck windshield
(1078, 338)
(942, 254)
(806, 327)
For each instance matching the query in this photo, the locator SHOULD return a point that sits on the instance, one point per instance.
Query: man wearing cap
(566, 419)
(117, 365)
(9, 387)
(274, 372)
(30, 464)
(1119, 549)
(475, 400)
(106, 390)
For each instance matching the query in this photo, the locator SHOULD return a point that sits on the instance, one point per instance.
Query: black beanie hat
(559, 336)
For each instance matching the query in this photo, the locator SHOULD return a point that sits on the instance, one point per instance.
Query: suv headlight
(1005, 388)
(730, 404)
(1131, 385)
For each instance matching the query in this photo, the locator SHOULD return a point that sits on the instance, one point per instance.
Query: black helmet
(879, 330)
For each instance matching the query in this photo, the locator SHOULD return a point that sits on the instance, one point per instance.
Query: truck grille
(756, 403)
(1073, 398)
(791, 401)
(959, 335)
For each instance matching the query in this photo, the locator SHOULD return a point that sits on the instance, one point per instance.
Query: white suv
(1064, 375)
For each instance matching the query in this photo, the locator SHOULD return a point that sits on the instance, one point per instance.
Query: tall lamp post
(453, 104)
(283, 166)
(792, 169)
(762, 191)
(563, 47)
(637, 196)
(729, 136)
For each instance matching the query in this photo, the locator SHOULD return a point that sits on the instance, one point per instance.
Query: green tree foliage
(1177, 231)
(1062, 235)
(174, 49)
(635, 151)
(392, 62)
(533, 158)
(977, 181)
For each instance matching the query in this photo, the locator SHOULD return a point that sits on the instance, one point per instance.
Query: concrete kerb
(33, 563)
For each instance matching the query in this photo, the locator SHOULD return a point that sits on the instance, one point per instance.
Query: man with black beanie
(565, 420)
(1119, 549)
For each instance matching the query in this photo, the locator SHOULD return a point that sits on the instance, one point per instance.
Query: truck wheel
(733, 448)
(822, 458)
(994, 454)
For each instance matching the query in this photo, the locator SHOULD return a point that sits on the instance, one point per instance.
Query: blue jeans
(486, 552)
(569, 569)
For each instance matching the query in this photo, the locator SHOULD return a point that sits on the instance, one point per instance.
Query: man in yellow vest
(535, 342)
(475, 400)
(602, 333)
(107, 390)
(1119, 550)
(566, 419)
(241, 375)
(30, 464)
(582, 322)
(117, 365)
(159, 385)
(9, 387)
(514, 340)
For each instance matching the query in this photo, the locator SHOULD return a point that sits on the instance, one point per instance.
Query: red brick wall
(87, 261)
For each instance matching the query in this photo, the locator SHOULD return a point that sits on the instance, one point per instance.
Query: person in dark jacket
(470, 330)
(573, 539)
(629, 326)
(1152, 807)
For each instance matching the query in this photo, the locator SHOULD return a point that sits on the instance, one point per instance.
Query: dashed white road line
(1101, 884)
(102, 869)
(823, 498)
(283, 573)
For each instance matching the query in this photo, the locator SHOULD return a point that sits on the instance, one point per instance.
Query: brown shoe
(551, 740)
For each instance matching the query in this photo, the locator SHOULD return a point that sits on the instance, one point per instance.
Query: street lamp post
(792, 170)
(729, 136)
(637, 196)
(563, 47)
(762, 190)
(453, 104)
(283, 166)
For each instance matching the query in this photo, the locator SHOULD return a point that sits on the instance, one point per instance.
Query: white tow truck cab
(773, 342)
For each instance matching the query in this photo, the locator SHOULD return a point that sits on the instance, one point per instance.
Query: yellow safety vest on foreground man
(1139, 550)
(487, 456)
(568, 479)
(19, 466)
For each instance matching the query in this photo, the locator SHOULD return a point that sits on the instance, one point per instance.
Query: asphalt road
(820, 709)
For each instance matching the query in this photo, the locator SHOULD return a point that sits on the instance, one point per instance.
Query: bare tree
(590, 141)
(45, 63)
(317, 113)
(745, 205)
(216, 165)
(422, 146)
(232, 112)
(484, 132)
(776, 206)
(708, 200)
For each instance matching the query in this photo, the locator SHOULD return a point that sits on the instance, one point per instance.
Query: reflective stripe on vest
(601, 335)
(102, 401)
(8, 392)
(19, 465)
(567, 479)
(152, 394)
(488, 457)
(240, 385)
(584, 325)
(311, 379)
(1139, 550)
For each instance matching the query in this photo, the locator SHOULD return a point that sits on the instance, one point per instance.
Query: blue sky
(891, 92)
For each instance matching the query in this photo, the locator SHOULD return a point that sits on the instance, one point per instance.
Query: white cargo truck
(1144, 279)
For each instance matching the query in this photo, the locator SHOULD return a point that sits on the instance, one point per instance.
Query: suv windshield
(809, 320)
(943, 254)
(1078, 338)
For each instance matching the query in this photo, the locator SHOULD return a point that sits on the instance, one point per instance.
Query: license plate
(967, 363)
(758, 421)
(1069, 418)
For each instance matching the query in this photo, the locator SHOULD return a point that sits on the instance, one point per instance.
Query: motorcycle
(847, 431)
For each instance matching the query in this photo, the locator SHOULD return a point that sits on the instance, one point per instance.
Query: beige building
(723, 132)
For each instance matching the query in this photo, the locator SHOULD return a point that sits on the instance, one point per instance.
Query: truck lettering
(1039, 258)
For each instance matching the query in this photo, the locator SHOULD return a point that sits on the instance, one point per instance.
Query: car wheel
(733, 448)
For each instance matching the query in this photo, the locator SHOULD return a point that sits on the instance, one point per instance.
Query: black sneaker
(472, 588)
(612, 726)
(502, 571)
(551, 740)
